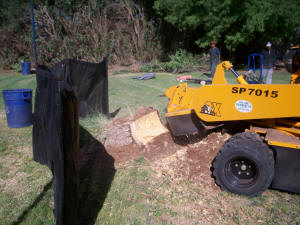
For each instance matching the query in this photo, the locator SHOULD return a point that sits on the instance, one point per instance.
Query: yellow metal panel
(277, 137)
(179, 113)
(293, 131)
(259, 130)
(295, 78)
(261, 104)
(219, 76)
(180, 97)
(283, 144)
(231, 102)
(214, 103)
(244, 102)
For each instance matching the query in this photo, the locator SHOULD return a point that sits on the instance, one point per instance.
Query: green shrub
(17, 67)
(181, 61)
(87, 31)
(153, 67)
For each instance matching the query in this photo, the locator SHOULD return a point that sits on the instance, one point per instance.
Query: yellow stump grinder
(267, 154)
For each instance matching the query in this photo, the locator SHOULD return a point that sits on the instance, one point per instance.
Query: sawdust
(190, 160)
(194, 161)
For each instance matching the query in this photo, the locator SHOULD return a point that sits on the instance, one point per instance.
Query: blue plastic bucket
(26, 66)
(18, 107)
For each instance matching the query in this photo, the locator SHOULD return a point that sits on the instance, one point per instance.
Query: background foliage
(86, 30)
(142, 31)
(236, 25)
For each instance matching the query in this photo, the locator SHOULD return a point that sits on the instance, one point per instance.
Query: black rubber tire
(291, 60)
(244, 165)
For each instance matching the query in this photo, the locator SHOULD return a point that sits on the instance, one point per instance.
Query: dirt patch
(179, 159)
(197, 161)
(6, 72)
(118, 69)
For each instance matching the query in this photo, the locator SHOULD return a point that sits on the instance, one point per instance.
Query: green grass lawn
(137, 194)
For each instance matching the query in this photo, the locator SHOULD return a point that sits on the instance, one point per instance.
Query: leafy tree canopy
(233, 22)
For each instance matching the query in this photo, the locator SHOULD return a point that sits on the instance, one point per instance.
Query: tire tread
(257, 147)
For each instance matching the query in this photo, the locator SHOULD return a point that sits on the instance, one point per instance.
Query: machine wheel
(244, 165)
(291, 60)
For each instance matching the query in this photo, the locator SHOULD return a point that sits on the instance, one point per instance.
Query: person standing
(214, 56)
(269, 60)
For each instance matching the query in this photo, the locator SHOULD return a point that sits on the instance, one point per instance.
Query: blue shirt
(214, 55)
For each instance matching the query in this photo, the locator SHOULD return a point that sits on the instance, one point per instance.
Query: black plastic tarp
(89, 81)
(63, 92)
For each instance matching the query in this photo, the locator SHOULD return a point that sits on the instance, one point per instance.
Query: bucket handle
(26, 96)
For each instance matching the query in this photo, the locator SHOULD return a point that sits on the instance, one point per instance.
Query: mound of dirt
(194, 162)
(179, 159)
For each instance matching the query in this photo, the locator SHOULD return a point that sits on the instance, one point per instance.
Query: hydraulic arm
(192, 109)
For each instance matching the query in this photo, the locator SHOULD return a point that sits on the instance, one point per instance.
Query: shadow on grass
(96, 173)
(34, 204)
